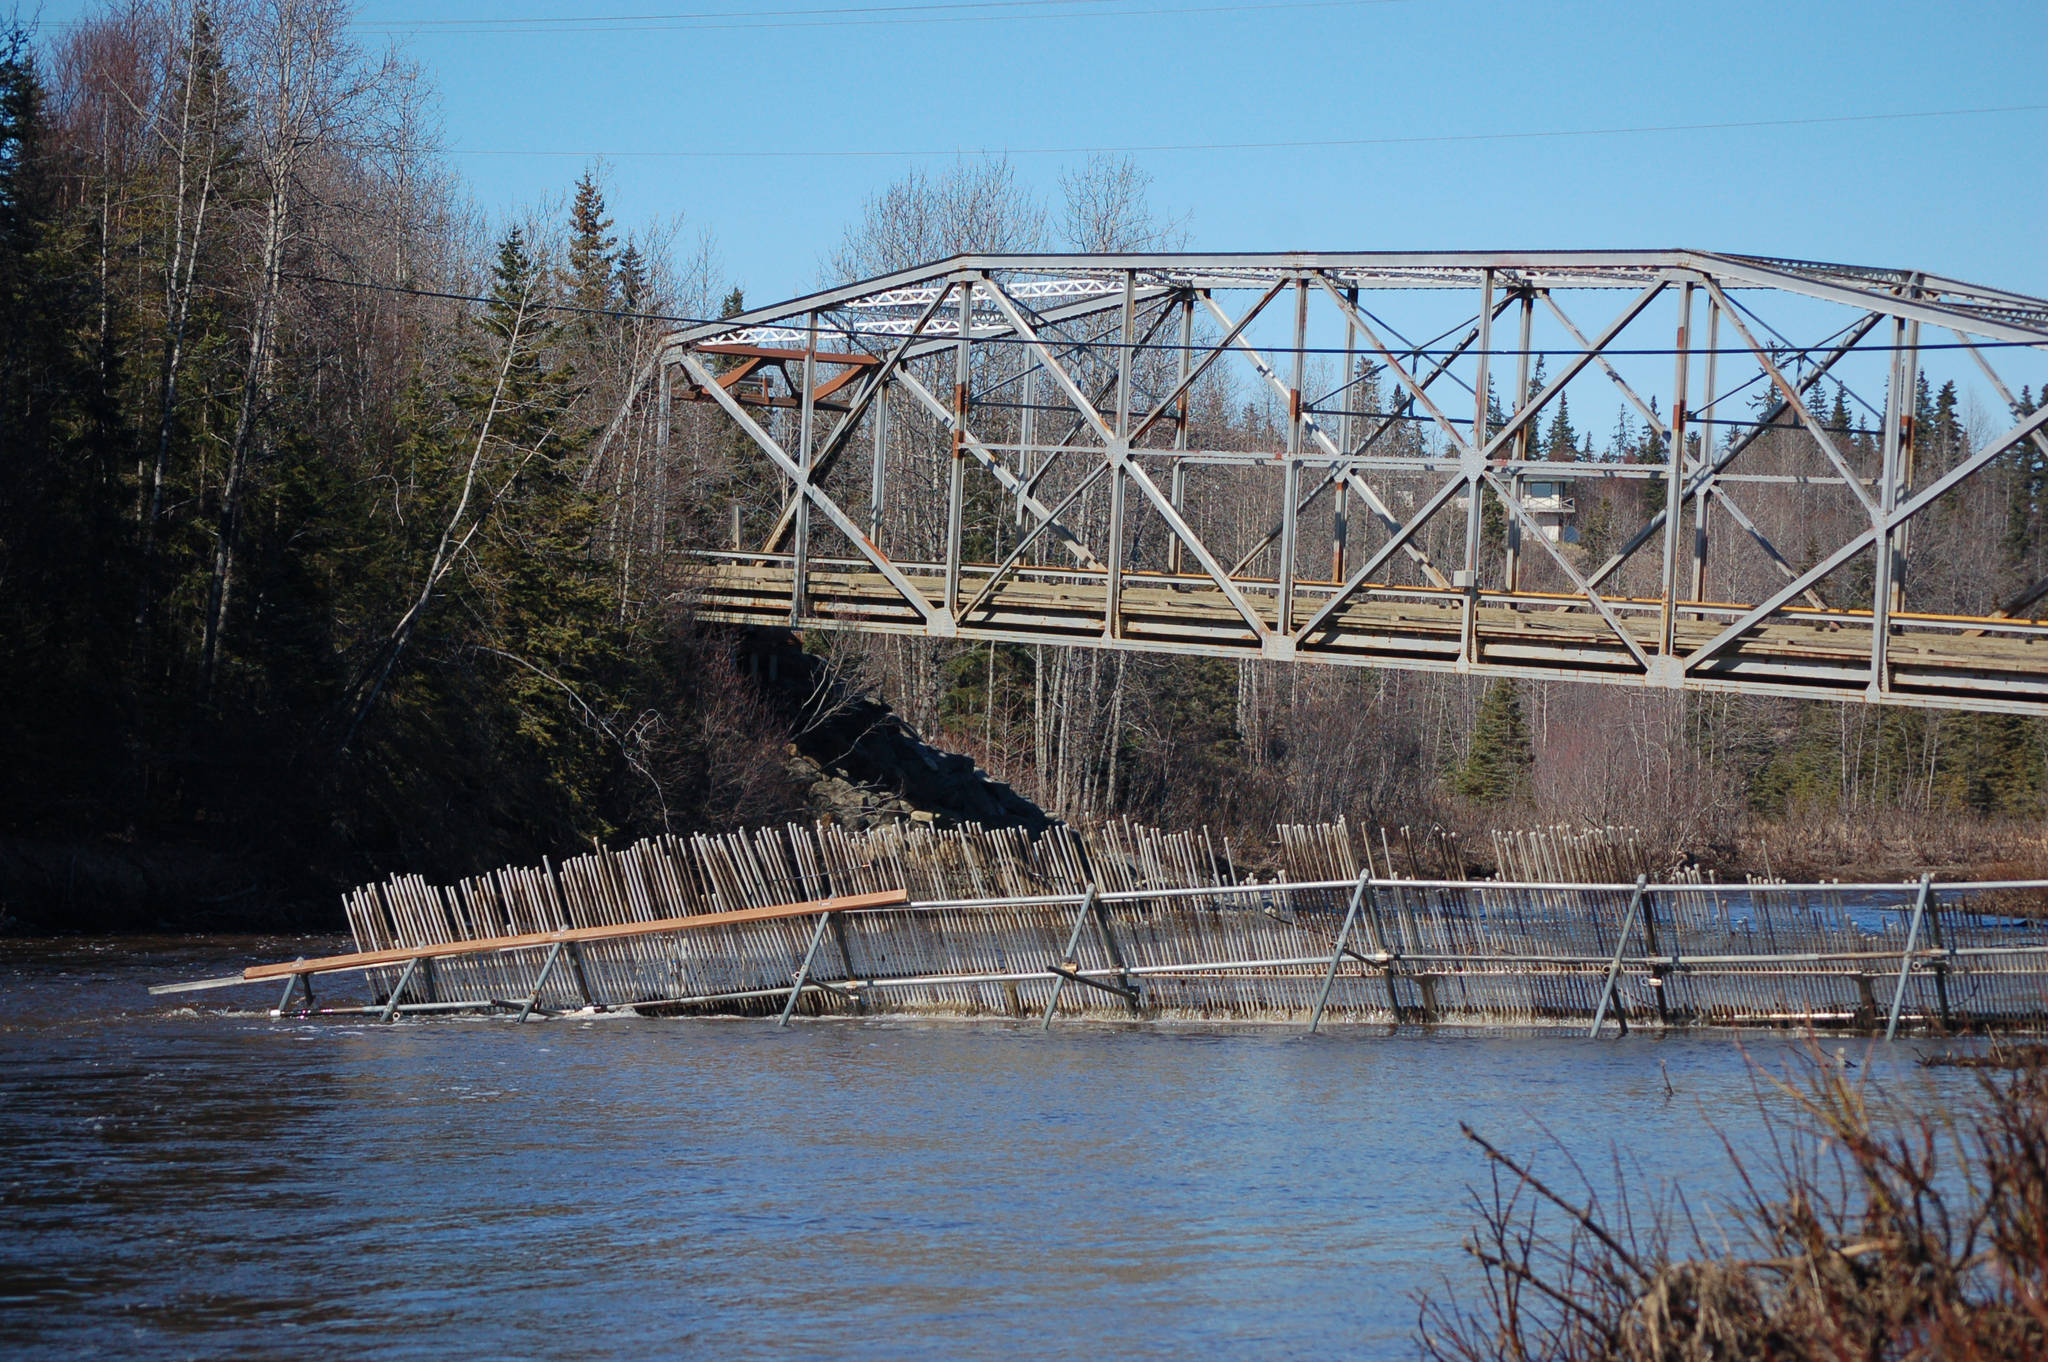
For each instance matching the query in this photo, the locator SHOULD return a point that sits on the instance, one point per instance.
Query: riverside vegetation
(1864, 1229)
(308, 570)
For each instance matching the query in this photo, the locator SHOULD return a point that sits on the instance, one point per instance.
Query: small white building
(1550, 508)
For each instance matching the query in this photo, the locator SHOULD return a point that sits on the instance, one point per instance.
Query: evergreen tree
(593, 252)
(1561, 442)
(1654, 490)
(1497, 767)
(632, 277)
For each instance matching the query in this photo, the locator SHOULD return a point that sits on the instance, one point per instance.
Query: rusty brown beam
(398, 955)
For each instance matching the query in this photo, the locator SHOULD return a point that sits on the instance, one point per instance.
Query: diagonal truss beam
(1365, 490)
(1379, 558)
(822, 462)
(1004, 475)
(1648, 412)
(1009, 564)
(1791, 398)
(1709, 468)
(1527, 412)
(1220, 349)
(840, 520)
(1102, 389)
(1345, 473)
(1119, 454)
(1884, 525)
(1593, 598)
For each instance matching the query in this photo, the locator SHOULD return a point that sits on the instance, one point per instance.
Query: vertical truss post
(956, 481)
(1359, 894)
(1628, 925)
(1909, 452)
(1178, 488)
(663, 421)
(1340, 531)
(1113, 600)
(1513, 568)
(1674, 472)
(878, 476)
(1702, 502)
(1897, 400)
(1887, 590)
(1290, 477)
(1891, 1026)
(1468, 648)
(800, 578)
(803, 971)
(1028, 461)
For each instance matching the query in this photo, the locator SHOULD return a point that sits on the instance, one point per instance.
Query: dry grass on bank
(1897, 846)
(1860, 1233)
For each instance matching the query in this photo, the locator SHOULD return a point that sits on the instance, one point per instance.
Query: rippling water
(196, 1182)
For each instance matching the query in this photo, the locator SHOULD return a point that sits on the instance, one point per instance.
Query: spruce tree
(592, 248)
(1561, 442)
(1497, 767)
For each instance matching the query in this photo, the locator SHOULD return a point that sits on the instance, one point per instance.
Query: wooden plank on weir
(329, 964)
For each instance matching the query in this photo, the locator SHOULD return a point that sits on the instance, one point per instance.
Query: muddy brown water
(183, 1178)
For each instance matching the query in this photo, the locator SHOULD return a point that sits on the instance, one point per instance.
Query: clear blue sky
(1965, 196)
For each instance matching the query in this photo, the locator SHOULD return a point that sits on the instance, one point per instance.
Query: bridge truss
(1343, 458)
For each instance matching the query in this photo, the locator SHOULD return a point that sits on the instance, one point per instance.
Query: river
(197, 1181)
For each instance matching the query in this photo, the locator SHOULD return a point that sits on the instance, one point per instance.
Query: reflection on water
(196, 1182)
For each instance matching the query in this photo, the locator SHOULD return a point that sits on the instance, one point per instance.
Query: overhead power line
(1422, 139)
(836, 16)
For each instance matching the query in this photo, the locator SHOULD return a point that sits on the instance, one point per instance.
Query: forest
(311, 571)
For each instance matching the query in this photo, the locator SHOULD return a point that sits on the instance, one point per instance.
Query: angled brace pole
(1628, 925)
(1891, 1026)
(1345, 473)
(404, 978)
(1066, 957)
(1358, 897)
(291, 984)
(1385, 551)
(540, 981)
(1005, 477)
(803, 972)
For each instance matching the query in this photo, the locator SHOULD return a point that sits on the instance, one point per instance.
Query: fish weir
(1125, 922)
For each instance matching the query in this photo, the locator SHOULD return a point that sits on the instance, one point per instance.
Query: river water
(196, 1181)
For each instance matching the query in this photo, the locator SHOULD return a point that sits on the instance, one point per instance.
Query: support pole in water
(1358, 897)
(803, 971)
(1067, 960)
(1628, 925)
(541, 980)
(1891, 1026)
(404, 978)
(291, 985)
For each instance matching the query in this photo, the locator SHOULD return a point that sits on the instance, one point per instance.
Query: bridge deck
(1933, 661)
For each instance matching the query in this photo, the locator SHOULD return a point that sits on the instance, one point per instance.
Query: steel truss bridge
(1026, 449)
